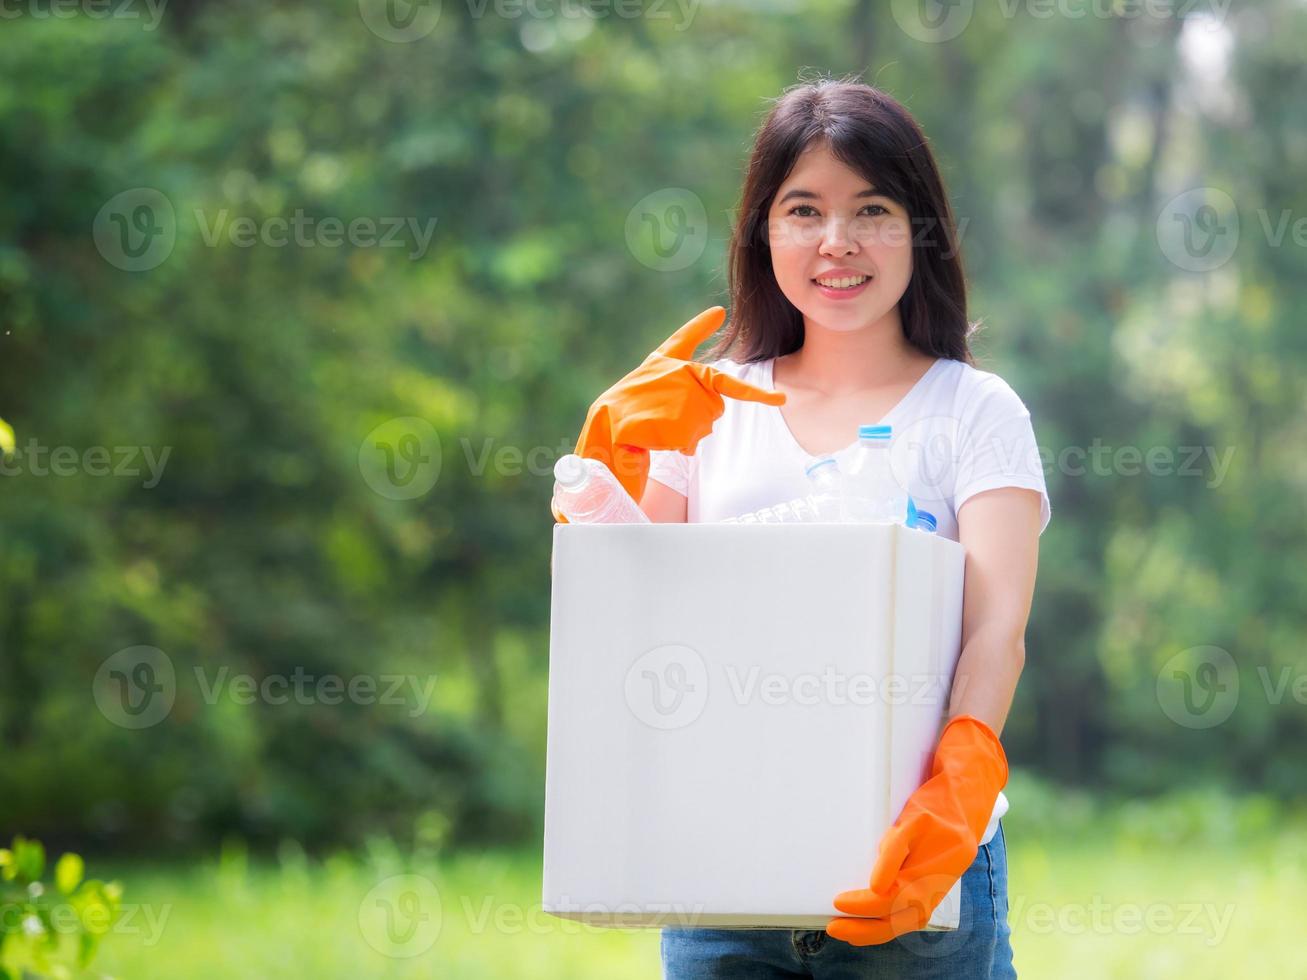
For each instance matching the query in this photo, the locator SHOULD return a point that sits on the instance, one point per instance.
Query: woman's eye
(876, 208)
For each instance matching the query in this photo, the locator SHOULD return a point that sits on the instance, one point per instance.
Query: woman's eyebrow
(813, 196)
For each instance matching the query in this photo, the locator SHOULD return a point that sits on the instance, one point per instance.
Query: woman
(849, 307)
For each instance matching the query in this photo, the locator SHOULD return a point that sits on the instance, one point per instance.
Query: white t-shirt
(959, 431)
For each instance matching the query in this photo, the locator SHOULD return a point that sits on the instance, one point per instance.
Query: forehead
(818, 166)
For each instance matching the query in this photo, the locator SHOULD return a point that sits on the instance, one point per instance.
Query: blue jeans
(980, 948)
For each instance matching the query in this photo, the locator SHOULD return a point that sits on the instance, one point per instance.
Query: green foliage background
(263, 549)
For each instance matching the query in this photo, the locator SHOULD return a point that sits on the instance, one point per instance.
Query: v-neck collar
(769, 382)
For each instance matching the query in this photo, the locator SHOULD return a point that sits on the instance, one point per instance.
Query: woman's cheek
(786, 235)
(887, 237)
(790, 259)
(899, 235)
(791, 281)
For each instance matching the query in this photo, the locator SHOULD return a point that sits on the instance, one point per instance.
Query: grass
(298, 919)
(1194, 889)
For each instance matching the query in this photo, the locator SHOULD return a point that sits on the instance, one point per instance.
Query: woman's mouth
(842, 288)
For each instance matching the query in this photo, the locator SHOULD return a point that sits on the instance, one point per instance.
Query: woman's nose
(836, 239)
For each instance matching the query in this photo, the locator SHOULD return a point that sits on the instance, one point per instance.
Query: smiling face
(827, 222)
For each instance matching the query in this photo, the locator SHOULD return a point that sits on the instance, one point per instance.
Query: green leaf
(86, 948)
(68, 873)
(29, 858)
(6, 437)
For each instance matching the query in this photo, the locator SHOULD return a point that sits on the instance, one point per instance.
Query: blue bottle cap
(926, 520)
(875, 431)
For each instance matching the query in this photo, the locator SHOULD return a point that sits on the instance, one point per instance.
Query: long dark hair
(873, 134)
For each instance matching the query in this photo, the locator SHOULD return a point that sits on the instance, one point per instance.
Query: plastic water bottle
(871, 493)
(826, 488)
(586, 492)
(822, 504)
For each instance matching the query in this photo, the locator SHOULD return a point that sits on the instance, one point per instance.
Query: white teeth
(848, 283)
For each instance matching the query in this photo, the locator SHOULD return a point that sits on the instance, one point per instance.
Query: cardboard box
(736, 715)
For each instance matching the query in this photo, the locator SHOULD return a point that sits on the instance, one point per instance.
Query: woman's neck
(845, 362)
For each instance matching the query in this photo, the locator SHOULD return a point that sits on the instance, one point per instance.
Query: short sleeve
(998, 448)
(671, 468)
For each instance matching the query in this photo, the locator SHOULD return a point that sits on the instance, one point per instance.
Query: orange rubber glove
(934, 840)
(668, 402)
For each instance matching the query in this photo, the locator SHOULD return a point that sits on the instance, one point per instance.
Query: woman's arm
(663, 505)
(937, 834)
(1000, 531)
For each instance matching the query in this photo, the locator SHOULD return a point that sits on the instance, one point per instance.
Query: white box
(726, 740)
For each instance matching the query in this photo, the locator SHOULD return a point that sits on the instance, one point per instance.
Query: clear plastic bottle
(586, 492)
(823, 504)
(826, 482)
(871, 494)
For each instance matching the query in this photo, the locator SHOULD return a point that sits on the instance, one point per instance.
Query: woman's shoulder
(970, 377)
(972, 389)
